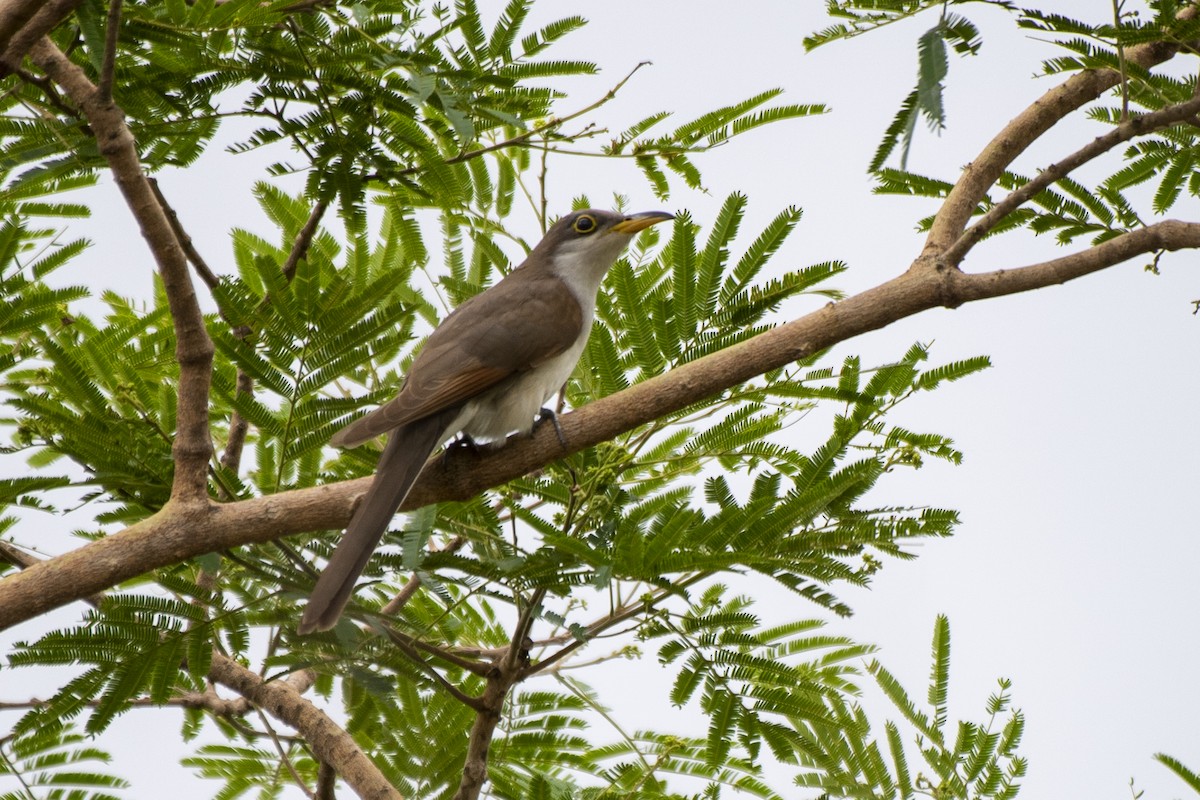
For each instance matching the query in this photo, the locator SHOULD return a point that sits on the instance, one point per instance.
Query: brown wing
(522, 321)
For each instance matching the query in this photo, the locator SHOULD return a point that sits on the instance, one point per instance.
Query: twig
(547, 127)
(239, 428)
(303, 240)
(596, 627)
(185, 240)
(46, 87)
(1116, 7)
(520, 638)
(413, 583)
(452, 658)
(406, 647)
(109, 64)
(283, 755)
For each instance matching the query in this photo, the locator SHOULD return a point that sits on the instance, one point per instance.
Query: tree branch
(239, 426)
(406, 646)
(1026, 128)
(47, 17)
(185, 240)
(328, 741)
(192, 448)
(14, 14)
(282, 752)
(180, 532)
(108, 66)
(410, 588)
(303, 240)
(1136, 126)
(597, 627)
(532, 133)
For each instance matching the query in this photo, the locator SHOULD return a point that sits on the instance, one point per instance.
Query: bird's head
(582, 245)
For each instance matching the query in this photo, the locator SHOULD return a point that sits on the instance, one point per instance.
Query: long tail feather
(399, 466)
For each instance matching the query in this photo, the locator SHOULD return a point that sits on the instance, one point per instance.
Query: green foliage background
(426, 128)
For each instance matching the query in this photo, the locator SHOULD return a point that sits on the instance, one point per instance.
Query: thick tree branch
(981, 174)
(194, 349)
(329, 742)
(14, 14)
(48, 16)
(180, 532)
(19, 558)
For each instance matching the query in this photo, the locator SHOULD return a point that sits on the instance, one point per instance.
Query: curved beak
(638, 222)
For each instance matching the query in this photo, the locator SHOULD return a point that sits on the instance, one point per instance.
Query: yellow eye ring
(585, 223)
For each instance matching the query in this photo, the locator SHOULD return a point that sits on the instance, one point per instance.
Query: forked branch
(1017, 136)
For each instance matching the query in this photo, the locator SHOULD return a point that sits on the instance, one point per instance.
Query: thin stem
(406, 647)
(12, 770)
(109, 64)
(185, 241)
(283, 756)
(414, 581)
(545, 128)
(1116, 7)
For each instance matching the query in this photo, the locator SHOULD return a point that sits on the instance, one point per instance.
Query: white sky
(1074, 568)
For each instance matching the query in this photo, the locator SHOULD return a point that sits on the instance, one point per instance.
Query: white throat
(582, 266)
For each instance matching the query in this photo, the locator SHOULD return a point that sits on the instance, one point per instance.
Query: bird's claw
(461, 442)
(548, 414)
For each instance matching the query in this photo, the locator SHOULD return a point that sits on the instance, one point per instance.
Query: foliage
(620, 519)
(58, 765)
(1069, 208)
(419, 124)
(429, 115)
(967, 760)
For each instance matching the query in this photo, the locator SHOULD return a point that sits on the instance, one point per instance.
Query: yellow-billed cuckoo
(485, 371)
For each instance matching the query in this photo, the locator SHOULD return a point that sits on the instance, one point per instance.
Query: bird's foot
(461, 442)
(548, 414)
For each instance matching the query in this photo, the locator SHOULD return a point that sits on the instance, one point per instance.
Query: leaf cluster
(1070, 208)
(621, 519)
(429, 117)
(966, 760)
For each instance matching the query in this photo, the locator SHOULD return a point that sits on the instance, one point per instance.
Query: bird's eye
(585, 224)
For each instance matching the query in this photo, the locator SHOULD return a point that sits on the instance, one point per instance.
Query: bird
(485, 372)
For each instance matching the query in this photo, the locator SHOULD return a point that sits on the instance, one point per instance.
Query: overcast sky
(1074, 571)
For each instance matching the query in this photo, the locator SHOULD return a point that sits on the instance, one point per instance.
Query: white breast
(513, 405)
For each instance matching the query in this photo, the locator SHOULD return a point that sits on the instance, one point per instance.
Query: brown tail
(400, 464)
